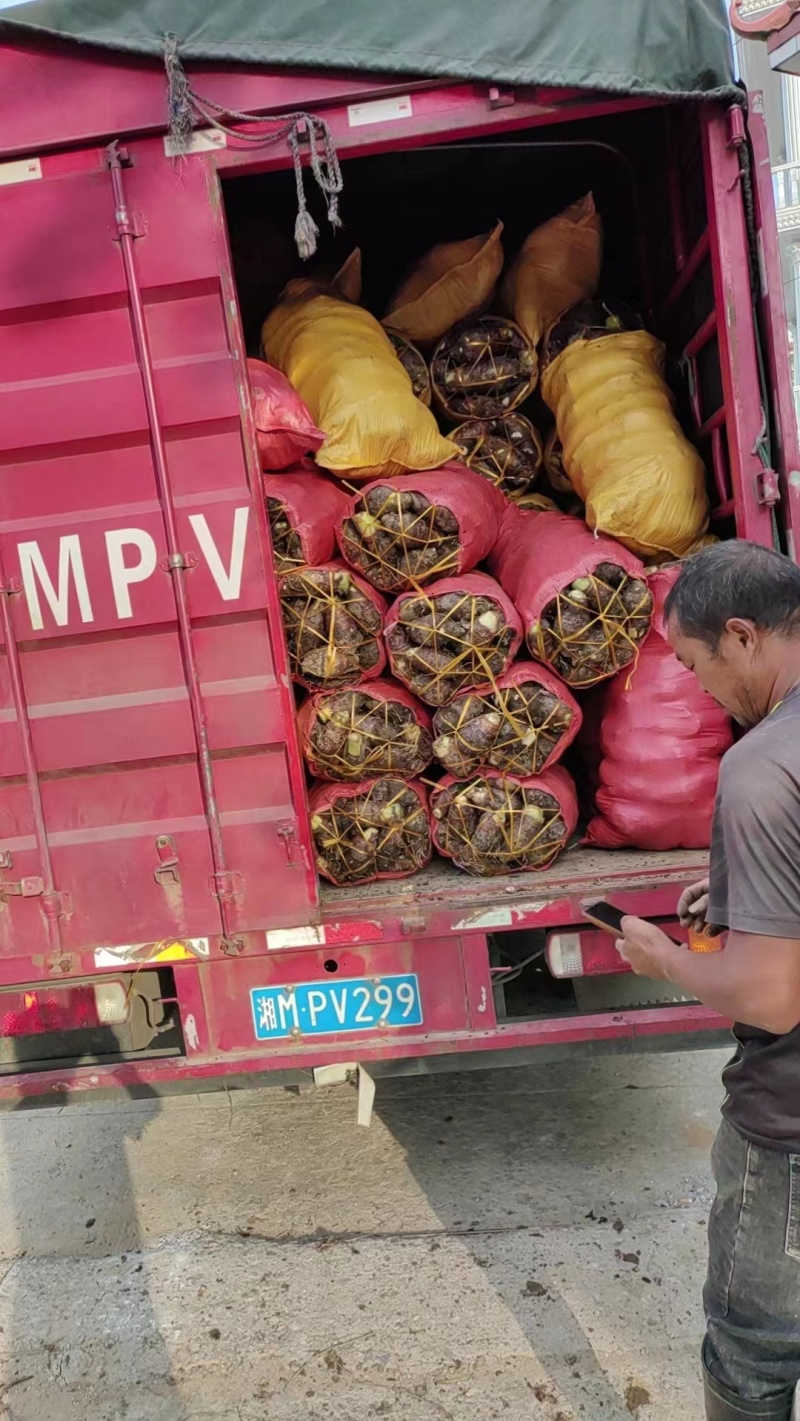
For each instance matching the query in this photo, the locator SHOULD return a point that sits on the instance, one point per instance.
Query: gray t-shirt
(755, 888)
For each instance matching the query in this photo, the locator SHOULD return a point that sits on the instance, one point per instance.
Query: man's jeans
(751, 1353)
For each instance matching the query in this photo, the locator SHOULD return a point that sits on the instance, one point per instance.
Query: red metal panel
(63, 94)
(83, 535)
(736, 329)
(437, 964)
(773, 312)
(649, 1023)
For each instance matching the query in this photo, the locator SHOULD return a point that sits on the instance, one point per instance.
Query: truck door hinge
(54, 904)
(767, 488)
(227, 886)
(295, 850)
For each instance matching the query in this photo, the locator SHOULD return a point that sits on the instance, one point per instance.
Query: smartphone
(604, 915)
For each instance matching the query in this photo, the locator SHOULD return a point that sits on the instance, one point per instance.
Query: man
(734, 620)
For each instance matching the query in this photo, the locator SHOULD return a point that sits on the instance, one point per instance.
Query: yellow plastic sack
(343, 366)
(623, 449)
(558, 266)
(451, 282)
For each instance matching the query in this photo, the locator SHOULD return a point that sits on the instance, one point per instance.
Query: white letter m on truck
(35, 575)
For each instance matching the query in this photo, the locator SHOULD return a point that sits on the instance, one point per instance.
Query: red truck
(161, 923)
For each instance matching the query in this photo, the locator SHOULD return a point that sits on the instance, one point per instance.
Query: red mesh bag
(377, 828)
(303, 510)
(660, 741)
(521, 725)
(332, 620)
(285, 430)
(491, 823)
(377, 728)
(582, 597)
(460, 632)
(406, 531)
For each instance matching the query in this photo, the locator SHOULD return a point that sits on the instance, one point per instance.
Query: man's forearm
(725, 982)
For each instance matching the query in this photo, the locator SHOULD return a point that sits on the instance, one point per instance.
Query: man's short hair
(736, 579)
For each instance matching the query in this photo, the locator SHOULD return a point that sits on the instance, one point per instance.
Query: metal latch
(286, 829)
(167, 871)
(767, 489)
(24, 887)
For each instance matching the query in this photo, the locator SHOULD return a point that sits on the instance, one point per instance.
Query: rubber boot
(724, 1405)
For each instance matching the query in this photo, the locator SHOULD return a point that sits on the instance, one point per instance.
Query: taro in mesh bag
(414, 364)
(411, 530)
(483, 368)
(491, 823)
(303, 509)
(458, 633)
(554, 464)
(332, 620)
(377, 728)
(377, 828)
(507, 451)
(521, 725)
(583, 598)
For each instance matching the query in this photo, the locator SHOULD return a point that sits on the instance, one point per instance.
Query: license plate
(329, 1008)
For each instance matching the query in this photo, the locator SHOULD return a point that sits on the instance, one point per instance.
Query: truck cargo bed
(517, 899)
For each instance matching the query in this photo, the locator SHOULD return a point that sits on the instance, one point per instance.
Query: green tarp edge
(664, 48)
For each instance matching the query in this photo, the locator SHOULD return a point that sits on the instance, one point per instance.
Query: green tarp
(672, 47)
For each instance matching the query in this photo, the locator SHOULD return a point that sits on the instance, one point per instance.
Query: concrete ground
(521, 1244)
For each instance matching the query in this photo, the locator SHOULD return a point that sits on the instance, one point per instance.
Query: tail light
(591, 953)
(583, 954)
(34, 1011)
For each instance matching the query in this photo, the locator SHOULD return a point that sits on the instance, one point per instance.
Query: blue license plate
(329, 1008)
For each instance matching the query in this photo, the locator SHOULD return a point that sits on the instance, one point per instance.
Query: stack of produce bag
(303, 509)
(403, 532)
(482, 369)
(333, 622)
(376, 728)
(559, 265)
(583, 600)
(506, 450)
(521, 724)
(378, 828)
(658, 740)
(343, 365)
(623, 449)
(452, 281)
(494, 823)
(460, 633)
(285, 431)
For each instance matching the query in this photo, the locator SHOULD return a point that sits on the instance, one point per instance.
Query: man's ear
(742, 631)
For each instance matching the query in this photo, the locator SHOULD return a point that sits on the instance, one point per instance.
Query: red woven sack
(351, 748)
(361, 829)
(303, 510)
(493, 726)
(410, 530)
(480, 820)
(457, 651)
(661, 738)
(581, 596)
(333, 623)
(285, 430)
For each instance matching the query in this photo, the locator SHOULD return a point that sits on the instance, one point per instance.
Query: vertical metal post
(116, 158)
(51, 901)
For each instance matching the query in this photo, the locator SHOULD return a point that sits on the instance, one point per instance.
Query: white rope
(186, 106)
